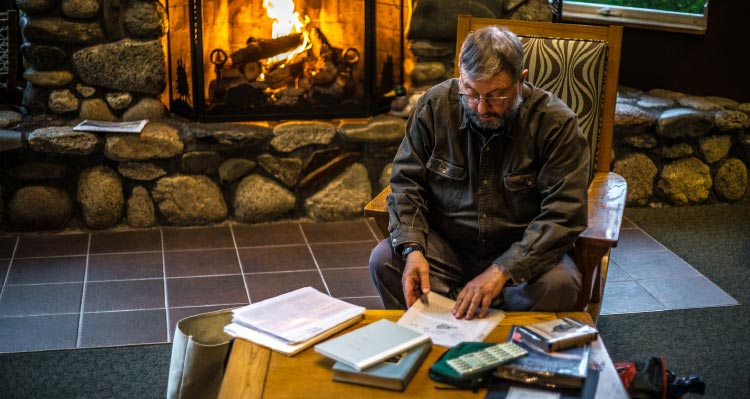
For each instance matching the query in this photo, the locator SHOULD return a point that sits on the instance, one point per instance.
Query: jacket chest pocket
(447, 183)
(522, 195)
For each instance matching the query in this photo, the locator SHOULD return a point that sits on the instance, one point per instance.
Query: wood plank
(246, 369)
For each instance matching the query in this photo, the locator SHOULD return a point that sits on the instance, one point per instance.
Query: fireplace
(284, 59)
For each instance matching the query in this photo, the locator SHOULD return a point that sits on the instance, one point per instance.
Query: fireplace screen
(283, 59)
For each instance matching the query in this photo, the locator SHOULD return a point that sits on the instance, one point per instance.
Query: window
(673, 15)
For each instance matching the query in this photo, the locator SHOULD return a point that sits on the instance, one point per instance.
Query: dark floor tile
(628, 297)
(654, 264)
(42, 299)
(276, 259)
(123, 328)
(125, 241)
(268, 285)
(176, 239)
(201, 263)
(124, 295)
(177, 314)
(267, 234)
(376, 229)
(34, 333)
(125, 266)
(635, 240)
(355, 254)
(7, 246)
(368, 302)
(52, 245)
(687, 292)
(355, 230)
(197, 291)
(350, 282)
(61, 269)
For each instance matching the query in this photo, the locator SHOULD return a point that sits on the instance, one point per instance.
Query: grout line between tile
(10, 264)
(309, 248)
(83, 293)
(239, 261)
(164, 279)
(369, 226)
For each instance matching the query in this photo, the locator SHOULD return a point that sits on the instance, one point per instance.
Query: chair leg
(588, 259)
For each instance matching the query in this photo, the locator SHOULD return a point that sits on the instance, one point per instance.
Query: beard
(500, 120)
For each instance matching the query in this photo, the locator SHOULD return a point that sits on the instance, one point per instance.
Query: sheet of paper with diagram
(435, 318)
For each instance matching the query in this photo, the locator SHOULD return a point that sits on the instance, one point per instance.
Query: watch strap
(406, 249)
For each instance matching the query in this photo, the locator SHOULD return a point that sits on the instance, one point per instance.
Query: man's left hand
(479, 293)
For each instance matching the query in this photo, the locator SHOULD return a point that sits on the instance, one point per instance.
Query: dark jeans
(554, 291)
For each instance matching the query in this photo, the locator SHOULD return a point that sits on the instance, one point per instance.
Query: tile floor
(77, 290)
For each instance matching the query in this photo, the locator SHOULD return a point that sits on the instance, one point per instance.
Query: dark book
(394, 373)
(554, 335)
(510, 389)
(564, 368)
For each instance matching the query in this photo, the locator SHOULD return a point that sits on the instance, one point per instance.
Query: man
(489, 190)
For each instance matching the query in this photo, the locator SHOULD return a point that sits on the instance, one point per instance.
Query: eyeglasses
(475, 100)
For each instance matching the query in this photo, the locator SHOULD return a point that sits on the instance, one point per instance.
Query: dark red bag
(645, 379)
(650, 379)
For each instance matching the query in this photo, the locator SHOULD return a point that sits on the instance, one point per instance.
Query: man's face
(492, 102)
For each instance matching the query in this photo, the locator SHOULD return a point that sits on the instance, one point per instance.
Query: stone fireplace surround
(673, 149)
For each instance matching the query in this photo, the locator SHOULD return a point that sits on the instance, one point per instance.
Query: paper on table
(296, 316)
(437, 321)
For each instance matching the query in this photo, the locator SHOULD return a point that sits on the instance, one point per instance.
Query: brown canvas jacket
(517, 198)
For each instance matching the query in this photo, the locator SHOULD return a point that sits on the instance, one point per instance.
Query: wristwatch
(406, 249)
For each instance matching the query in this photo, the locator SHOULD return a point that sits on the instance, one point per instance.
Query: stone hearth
(176, 172)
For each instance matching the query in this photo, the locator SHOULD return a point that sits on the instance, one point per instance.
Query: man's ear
(524, 74)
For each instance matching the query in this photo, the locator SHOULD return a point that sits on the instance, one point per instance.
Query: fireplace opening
(284, 59)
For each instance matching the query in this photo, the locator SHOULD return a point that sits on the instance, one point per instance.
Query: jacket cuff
(400, 236)
(513, 262)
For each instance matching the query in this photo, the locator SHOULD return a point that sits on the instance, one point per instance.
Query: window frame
(573, 11)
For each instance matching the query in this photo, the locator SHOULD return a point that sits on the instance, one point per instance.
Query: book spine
(572, 341)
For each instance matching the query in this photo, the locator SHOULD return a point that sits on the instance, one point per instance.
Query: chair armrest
(376, 209)
(607, 194)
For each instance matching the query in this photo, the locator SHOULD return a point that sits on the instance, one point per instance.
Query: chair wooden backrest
(580, 65)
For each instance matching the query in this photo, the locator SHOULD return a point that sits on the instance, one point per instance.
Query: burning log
(258, 49)
(283, 75)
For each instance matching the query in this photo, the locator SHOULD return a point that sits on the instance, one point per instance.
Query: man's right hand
(416, 277)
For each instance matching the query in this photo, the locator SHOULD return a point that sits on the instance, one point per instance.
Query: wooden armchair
(579, 64)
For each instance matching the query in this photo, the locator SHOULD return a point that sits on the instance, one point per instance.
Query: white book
(371, 344)
(297, 316)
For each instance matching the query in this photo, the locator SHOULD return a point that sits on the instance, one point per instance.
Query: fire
(286, 21)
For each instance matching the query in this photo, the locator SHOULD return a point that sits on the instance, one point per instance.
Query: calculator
(487, 358)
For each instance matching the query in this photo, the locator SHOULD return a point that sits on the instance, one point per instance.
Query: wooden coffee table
(256, 372)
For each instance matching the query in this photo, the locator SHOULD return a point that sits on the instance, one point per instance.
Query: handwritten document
(436, 320)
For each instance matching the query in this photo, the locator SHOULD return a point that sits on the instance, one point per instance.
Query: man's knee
(380, 259)
(554, 291)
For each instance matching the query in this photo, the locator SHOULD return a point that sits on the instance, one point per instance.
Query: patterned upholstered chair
(579, 64)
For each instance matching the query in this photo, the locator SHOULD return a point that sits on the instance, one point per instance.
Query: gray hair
(490, 50)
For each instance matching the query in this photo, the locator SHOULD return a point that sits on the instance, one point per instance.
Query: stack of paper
(293, 321)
